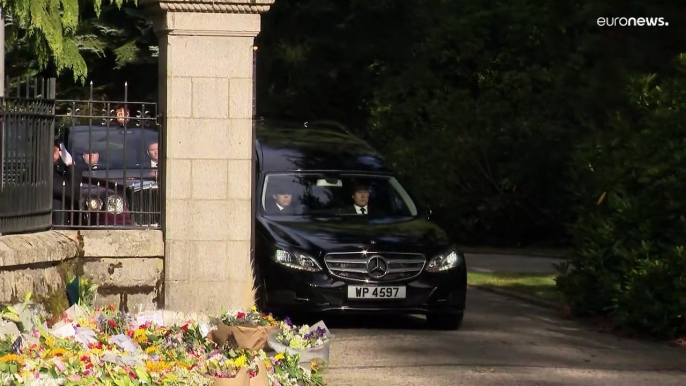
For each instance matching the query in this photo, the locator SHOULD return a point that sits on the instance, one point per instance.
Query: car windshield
(340, 194)
(116, 148)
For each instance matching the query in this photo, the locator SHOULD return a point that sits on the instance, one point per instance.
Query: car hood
(135, 178)
(320, 236)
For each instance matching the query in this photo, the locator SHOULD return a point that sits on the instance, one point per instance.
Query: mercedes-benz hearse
(336, 231)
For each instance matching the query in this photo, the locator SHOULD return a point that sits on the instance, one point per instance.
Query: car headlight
(93, 203)
(445, 261)
(297, 261)
(115, 204)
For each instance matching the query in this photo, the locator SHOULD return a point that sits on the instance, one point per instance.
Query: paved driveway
(502, 342)
(509, 263)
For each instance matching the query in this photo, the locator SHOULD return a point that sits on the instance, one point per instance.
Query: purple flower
(288, 322)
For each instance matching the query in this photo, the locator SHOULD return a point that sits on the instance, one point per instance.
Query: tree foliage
(629, 182)
(49, 31)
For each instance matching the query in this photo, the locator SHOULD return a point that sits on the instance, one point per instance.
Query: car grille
(146, 202)
(353, 266)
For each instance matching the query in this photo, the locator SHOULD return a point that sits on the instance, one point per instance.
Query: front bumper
(290, 291)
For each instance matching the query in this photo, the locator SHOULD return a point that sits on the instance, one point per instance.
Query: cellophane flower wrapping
(309, 342)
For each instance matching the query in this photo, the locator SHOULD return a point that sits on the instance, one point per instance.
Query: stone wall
(128, 266)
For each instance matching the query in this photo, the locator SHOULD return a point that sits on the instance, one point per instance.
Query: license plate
(360, 292)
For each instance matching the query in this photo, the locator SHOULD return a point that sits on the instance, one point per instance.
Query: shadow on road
(361, 321)
(502, 342)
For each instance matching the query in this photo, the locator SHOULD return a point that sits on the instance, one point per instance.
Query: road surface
(502, 342)
(510, 263)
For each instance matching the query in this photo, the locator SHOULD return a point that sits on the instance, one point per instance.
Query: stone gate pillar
(206, 98)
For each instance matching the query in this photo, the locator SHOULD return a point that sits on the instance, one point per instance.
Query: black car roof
(289, 146)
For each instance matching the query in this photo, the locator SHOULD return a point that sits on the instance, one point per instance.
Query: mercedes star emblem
(377, 267)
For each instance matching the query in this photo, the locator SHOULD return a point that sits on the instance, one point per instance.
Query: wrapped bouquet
(250, 329)
(310, 342)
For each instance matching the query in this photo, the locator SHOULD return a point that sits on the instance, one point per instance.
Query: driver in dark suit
(360, 196)
(282, 200)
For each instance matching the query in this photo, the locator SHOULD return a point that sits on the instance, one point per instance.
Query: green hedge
(630, 183)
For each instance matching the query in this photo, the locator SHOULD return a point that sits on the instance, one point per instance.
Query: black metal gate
(26, 137)
(110, 178)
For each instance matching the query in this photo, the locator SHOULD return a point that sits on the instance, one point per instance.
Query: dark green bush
(630, 184)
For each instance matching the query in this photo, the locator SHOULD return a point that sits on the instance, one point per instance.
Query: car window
(117, 148)
(320, 194)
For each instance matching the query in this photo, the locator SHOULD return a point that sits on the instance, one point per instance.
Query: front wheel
(445, 321)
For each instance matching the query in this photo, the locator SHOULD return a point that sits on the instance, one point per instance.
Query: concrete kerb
(525, 298)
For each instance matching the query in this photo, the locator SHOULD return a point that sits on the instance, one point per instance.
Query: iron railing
(26, 137)
(113, 178)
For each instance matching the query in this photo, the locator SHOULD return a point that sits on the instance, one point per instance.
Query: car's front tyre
(445, 321)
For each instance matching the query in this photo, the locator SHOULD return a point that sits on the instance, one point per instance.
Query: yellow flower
(96, 351)
(151, 349)
(56, 352)
(254, 308)
(313, 365)
(12, 358)
(85, 321)
(157, 367)
(179, 364)
(49, 341)
(240, 361)
(140, 336)
(279, 356)
(271, 320)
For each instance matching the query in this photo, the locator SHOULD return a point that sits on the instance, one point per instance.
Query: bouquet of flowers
(113, 322)
(237, 368)
(249, 329)
(288, 372)
(249, 318)
(310, 342)
(303, 337)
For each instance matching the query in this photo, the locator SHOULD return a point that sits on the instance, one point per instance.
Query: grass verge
(555, 253)
(536, 285)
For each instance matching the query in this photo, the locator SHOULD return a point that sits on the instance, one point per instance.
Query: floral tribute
(249, 329)
(247, 318)
(111, 347)
(302, 337)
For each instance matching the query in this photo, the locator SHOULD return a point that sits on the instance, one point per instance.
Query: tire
(450, 322)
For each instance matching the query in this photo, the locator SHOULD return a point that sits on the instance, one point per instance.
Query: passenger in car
(360, 196)
(91, 157)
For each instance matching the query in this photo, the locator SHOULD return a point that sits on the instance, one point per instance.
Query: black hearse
(313, 251)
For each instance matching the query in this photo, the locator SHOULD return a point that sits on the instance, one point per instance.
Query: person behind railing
(91, 158)
(64, 188)
(153, 153)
